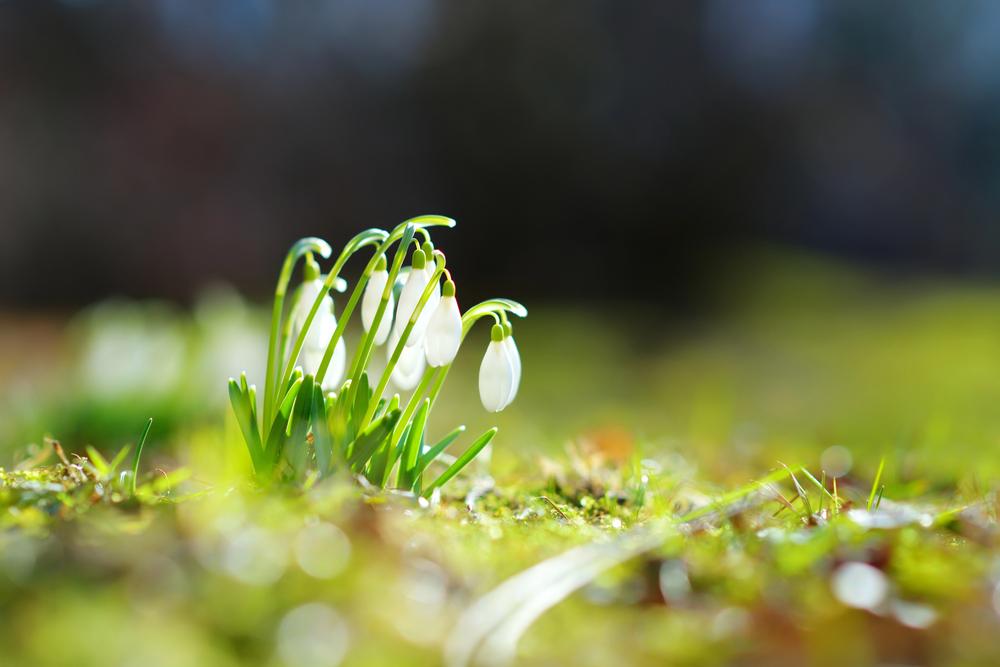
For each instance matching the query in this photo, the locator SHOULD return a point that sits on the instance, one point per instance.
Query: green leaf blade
(462, 460)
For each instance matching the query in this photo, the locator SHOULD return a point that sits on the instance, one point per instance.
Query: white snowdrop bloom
(423, 321)
(496, 373)
(371, 299)
(410, 366)
(416, 281)
(515, 361)
(444, 331)
(320, 332)
(314, 348)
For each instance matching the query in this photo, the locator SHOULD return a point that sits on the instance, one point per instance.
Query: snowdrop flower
(320, 332)
(410, 366)
(420, 328)
(496, 373)
(416, 281)
(515, 359)
(444, 330)
(371, 300)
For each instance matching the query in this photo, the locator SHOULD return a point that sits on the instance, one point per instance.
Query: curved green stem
(418, 224)
(404, 233)
(411, 405)
(365, 238)
(363, 353)
(298, 249)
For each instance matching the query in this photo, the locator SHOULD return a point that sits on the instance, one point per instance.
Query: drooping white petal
(320, 332)
(314, 347)
(444, 333)
(496, 377)
(307, 294)
(510, 347)
(410, 366)
(420, 328)
(416, 281)
(370, 302)
(312, 357)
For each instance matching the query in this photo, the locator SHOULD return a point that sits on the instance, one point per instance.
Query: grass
(693, 519)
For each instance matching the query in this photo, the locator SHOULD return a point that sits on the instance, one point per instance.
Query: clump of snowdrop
(320, 411)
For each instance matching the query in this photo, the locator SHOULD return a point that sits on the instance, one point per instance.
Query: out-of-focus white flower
(371, 300)
(515, 360)
(444, 331)
(320, 332)
(416, 281)
(496, 373)
(410, 366)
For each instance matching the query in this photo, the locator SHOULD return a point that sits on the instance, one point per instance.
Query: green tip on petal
(496, 333)
(508, 329)
(380, 263)
(448, 289)
(427, 248)
(419, 259)
(311, 270)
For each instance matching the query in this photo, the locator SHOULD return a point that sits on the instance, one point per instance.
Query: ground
(660, 493)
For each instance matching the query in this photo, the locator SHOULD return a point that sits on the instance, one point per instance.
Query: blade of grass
(427, 457)
(411, 450)
(296, 450)
(369, 441)
(322, 440)
(118, 460)
(875, 484)
(138, 453)
(462, 460)
(822, 483)
(819, 485)
(801, 491)
(99, 462)
(392, 453)
(728, 499)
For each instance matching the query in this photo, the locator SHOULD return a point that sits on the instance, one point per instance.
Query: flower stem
(298, 249)
(363, 353)
(398, 351)
(365, 238)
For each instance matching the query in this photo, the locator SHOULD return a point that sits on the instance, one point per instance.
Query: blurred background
(724, 215)
(149, 147)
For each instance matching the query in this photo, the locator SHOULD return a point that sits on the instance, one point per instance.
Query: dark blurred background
(588, 149)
